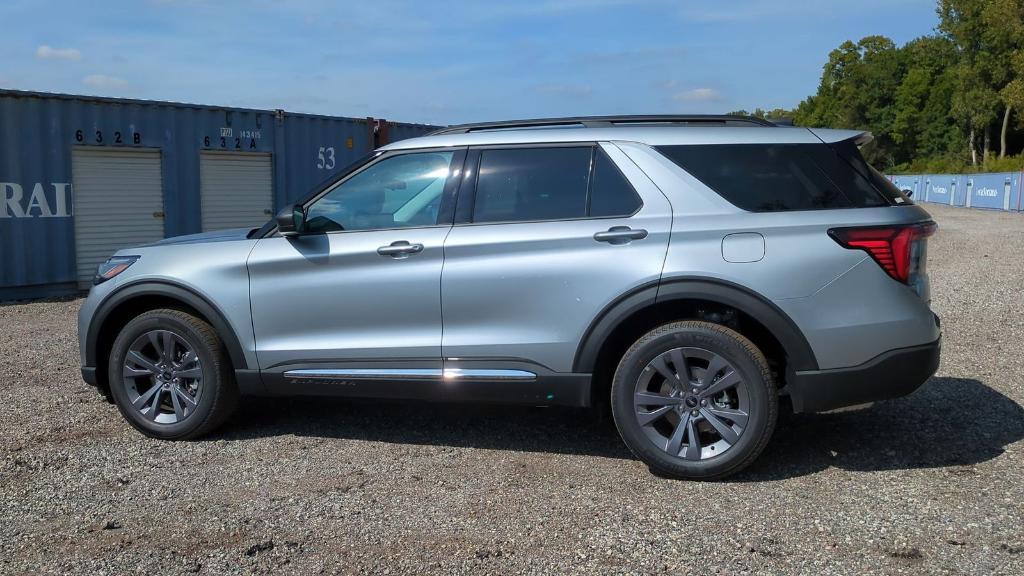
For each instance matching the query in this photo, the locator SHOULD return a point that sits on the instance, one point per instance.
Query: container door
(118, 202)
(236, 188)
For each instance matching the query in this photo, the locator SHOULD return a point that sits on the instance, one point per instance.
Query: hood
(206, 237)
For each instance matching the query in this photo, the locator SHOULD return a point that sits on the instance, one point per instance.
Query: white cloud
(50, 53)
(103, 81)
(698, 95)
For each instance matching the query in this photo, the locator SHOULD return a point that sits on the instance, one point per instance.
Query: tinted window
(848, 151)
(776, 177)
(520, 184)
(610, 193)
(396, 192)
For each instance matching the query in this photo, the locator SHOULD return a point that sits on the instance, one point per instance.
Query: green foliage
(958, 164)
(936, 103)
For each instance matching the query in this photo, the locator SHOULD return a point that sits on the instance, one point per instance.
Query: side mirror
(291, 220)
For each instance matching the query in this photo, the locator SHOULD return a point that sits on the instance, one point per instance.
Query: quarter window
(396, 192)
(777, 177)
(610, 193)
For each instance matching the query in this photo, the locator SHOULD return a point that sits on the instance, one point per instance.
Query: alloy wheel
(691, 403)
(163, 377)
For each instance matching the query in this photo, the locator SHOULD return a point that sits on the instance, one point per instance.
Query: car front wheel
(170, 376)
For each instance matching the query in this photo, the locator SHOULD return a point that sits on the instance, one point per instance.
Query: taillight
(897, 249)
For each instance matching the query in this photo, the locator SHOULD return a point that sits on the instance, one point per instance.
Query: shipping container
(83, 176)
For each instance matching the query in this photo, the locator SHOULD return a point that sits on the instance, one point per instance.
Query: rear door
(545, 238)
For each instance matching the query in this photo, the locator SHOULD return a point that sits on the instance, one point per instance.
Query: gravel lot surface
(929, 484)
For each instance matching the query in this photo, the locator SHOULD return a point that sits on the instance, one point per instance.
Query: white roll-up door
(237, 189)
(118, 202)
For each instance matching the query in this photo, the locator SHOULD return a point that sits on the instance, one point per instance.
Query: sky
(444, 61)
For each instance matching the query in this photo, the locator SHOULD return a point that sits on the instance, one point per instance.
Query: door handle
(620, 235)
(400, 249)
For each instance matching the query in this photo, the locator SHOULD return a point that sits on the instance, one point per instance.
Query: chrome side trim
(482, 374)
(411, 374)
(367, 373)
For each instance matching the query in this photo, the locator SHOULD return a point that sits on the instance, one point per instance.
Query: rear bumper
(889, 375)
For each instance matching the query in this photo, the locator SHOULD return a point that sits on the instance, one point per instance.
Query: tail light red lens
(893, 247)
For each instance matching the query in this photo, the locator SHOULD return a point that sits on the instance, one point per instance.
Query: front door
(360, 289)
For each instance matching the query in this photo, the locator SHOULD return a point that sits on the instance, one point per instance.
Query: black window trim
(466, 202)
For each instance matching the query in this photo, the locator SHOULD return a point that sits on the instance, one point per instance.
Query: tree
(985, 33)
(1004, 32)
(934, 101)
(857, 90)
(922, 124)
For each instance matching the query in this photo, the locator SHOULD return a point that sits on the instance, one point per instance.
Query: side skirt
(515, 382)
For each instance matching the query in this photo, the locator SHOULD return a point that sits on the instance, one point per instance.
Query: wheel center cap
(691, 401)
(166, 376)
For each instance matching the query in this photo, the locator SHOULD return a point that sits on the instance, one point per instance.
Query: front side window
(555, 183)
(396, 192)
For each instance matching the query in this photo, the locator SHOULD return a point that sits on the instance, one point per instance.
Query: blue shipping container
(993, 191)
(39, 131)
(944, 189)
(909, 183)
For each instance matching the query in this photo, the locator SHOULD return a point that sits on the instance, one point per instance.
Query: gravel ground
(933, 483)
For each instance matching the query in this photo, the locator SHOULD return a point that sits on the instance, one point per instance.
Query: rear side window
(532, 184)
(777, 177)
(554, 183)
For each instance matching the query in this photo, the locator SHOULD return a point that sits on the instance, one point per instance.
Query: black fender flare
(798, 351)
(168, 290)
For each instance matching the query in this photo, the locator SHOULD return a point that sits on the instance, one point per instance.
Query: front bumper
(889, 375)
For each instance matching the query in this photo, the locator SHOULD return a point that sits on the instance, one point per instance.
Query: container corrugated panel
(36, 235)
(992, 191)
(1017, 193)
(315, 149)
(909, 182)
(38, 132)
(401, 131)
(943, 189)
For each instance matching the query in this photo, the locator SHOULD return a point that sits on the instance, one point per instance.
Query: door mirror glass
(291, 220)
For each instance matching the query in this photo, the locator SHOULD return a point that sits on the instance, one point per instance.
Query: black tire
(219, 396)
(760, 396)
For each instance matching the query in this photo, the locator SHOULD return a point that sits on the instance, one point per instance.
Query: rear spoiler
(832, 136)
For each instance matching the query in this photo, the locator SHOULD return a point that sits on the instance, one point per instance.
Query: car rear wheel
(694, 400)
(170, 376)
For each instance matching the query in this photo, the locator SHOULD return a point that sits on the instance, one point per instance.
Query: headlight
(113, 267)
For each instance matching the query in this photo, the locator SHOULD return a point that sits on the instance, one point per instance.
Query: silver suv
(693, 271)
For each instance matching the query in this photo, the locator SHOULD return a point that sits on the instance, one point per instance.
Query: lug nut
(703, 402)
(693, 413)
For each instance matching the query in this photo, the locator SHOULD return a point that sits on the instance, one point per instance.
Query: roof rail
(608, 121)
